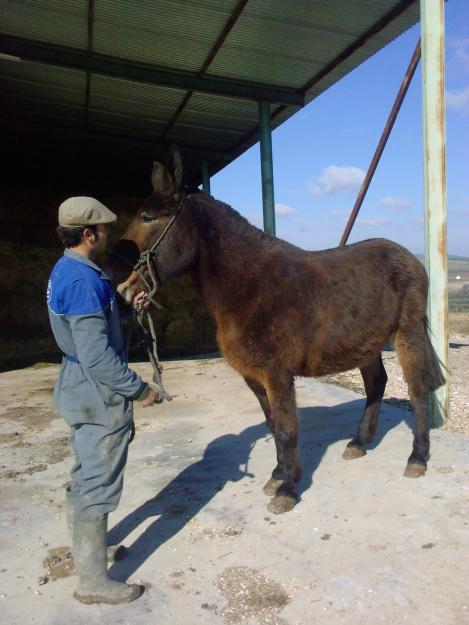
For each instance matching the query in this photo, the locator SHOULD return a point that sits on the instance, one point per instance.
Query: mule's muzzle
(129, 289)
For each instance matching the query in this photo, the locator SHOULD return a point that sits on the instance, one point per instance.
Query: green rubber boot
(89, 554)
(114, 552)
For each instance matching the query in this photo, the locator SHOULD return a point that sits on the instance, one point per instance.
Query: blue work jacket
(95, 384)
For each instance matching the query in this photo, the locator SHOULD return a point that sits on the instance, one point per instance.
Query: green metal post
(205, 177)
(267, 173)
(433, 84)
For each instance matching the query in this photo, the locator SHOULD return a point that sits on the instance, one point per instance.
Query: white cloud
(458, 99)
(373, 221)
(460, 48)
(255, 218)
(334, 180)
(394, 202)
(283, 210)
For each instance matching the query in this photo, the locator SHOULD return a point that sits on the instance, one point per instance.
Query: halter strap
(146, 256)
(150, 252)
(149, 333)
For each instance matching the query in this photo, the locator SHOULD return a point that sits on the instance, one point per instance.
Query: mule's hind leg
(281, 395)
(422, 374)
(261, 394)
(278, 474)
(375, 378)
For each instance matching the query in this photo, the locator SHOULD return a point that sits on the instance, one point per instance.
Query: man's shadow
(226, 460)
(192, 489)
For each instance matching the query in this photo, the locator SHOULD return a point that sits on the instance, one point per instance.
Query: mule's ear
(161, 180)
(176, 166)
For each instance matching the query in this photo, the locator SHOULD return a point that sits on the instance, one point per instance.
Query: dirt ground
(396, 388)
(364, 545)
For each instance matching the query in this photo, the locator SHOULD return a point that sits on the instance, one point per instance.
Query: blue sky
(322, 153)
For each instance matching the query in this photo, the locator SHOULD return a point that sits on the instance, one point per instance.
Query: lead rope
(152, 350)
(149, 332)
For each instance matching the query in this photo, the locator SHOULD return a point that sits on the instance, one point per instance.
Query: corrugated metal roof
(175, 34)
(237, 117)
(303, 46)
(59, 82)
(279, 42)
(34, 90)
(62, 22)
(119, 96)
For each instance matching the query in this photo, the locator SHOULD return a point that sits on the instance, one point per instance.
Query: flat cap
(84, 211)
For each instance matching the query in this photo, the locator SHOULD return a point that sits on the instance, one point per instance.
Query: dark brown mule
(283, 312)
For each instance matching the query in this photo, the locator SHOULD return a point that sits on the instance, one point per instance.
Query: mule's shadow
(225, 460)
(322, 426)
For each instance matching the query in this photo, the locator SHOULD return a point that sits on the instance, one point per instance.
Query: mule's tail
(433, 369)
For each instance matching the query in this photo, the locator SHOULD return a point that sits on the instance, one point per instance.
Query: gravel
(396, 388)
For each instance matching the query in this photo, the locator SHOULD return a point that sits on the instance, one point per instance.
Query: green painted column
(433, 87)
(205, 177)
(267, 172)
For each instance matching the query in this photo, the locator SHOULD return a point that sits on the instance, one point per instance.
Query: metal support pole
(267, 173)
(433, 86)
(382, 142)
(205, 177)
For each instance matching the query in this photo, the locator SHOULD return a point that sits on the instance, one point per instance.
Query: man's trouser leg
(114, 552)
(97, 480)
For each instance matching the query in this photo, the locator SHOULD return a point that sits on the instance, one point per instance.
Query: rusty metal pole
(382, 142)
(433, 86)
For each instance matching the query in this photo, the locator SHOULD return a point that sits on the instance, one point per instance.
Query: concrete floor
(364, 545)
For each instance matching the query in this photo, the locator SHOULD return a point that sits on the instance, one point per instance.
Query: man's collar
(70, 253)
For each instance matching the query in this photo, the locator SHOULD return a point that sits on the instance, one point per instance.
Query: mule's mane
(233, 258)
(225, 219)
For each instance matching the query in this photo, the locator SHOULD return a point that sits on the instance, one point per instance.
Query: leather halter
(146, 256)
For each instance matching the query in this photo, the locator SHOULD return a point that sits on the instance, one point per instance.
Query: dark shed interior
(93, 91)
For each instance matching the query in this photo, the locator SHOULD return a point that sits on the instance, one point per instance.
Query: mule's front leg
(278, 474)
(285, 430)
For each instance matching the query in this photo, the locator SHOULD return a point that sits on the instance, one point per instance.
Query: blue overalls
(95, 388)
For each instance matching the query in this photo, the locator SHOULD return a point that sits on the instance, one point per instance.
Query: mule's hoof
(353, 452)
(271, 487)
(414, 469)
(282, 503)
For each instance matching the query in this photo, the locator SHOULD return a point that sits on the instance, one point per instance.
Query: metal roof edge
(111, 66)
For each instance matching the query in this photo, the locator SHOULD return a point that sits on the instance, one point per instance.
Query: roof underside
(104, 85)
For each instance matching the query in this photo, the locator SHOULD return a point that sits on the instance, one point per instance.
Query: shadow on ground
(225, 460)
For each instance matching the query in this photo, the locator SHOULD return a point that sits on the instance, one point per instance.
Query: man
(94, 391)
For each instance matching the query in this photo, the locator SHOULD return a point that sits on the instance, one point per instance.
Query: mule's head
(176, 251)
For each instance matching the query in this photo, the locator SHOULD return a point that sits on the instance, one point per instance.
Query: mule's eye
(146, 218)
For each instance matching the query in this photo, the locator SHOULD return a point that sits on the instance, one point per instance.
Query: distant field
(458, 283)
(459, 323)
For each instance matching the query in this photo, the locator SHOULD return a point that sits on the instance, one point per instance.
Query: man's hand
(150, 398)
(141, 301)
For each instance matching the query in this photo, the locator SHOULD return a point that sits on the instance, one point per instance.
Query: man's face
(97, 243)
(103, 232)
